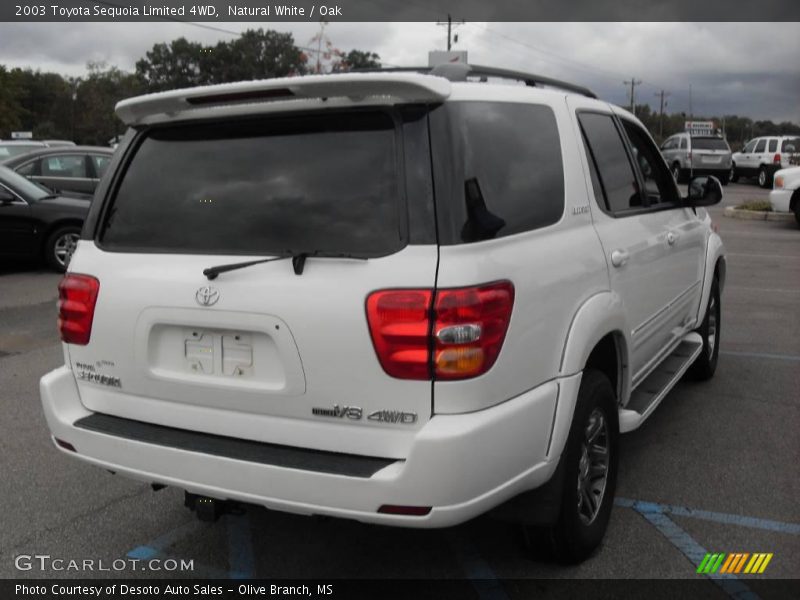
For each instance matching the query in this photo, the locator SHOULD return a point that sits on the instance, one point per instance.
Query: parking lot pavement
(714, 469)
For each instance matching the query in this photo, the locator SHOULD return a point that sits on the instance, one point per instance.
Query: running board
(649, 394)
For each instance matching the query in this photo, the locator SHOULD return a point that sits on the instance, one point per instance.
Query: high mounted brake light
(455, 334)
(77, 295)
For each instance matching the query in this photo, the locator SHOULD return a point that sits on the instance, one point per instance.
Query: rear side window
(503, 166)
(773, 145)
(709, 143)
(607, 150)
(328, 183)
(791, 142)
(100, 164)
(70, 165)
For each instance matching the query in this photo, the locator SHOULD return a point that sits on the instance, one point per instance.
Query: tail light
(452, 334)
(776, 159)
(778, 182)
(77, 295)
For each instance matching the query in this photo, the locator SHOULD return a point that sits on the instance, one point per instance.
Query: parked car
(73, 168)
(785, 194)
(9, 148)
(761, 157)
(690, 155)
(58, 143)
(360, 300)
(35, 223)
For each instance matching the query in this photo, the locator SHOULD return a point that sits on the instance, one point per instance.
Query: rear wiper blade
(298, 262)
(212, 272)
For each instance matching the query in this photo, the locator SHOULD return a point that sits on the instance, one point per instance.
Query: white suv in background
(384, 297)
(761, 157)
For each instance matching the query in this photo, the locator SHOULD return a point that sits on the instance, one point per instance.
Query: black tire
(705, 364)
(576, 534)
(764, 177)
(797, 212)
(733, 175)
(59, 247)
(724, 178)
(678, 173)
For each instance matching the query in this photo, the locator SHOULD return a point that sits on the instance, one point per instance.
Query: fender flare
(715, 260)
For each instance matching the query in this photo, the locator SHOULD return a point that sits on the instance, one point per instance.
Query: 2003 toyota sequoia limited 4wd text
(405, 298)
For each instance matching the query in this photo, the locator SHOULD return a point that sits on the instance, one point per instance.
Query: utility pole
(663, 96)
(450, 26)
(633, 83)
(691, 112)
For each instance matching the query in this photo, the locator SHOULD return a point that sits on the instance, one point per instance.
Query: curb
(757, 215)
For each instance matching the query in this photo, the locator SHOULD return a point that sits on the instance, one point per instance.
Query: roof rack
(461, 72)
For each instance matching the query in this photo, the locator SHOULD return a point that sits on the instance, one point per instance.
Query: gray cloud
(745, 68)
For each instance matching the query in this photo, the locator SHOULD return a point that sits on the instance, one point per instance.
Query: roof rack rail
(461, 71)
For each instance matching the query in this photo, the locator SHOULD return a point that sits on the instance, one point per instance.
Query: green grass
(759, 205)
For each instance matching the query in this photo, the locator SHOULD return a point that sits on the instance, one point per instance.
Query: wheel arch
(51, 227)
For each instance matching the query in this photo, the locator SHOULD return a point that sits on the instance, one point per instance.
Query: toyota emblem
(207, 296)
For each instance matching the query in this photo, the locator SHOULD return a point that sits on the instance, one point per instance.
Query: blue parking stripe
(693, 551)
(241, 560)
(477, 570)
(707, 515)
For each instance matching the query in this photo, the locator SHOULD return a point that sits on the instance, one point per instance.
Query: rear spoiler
(407, 87)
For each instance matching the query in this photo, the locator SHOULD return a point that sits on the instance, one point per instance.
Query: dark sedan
(63, 169)
(35, 223)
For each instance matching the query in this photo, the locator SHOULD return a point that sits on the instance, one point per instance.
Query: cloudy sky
(750, 69)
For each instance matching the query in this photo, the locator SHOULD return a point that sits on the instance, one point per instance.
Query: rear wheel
(705, 364)
(60, 245)
(589, 461)
(724, 177)
(764, 179)
(797, 211)
(733, 175)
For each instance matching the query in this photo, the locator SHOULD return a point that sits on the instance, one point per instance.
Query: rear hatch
(279, 351)
(710, 153)
(790, 152)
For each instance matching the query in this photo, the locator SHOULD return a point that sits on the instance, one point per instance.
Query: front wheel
(590, 472)
(60, 245)
(733, 175)
(705, 364)
(677, 173)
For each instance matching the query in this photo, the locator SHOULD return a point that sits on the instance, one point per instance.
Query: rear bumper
(780, 200)
(460, 465)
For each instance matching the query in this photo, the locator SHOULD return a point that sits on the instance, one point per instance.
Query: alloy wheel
(593, 466)
(64, 247)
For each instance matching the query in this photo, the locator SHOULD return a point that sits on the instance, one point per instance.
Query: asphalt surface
(728, 448)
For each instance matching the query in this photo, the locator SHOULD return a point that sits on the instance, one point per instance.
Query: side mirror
(704, 191)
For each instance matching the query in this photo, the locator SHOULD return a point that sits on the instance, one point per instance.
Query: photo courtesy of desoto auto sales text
(415, 300)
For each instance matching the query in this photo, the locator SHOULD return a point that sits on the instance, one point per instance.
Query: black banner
(390, 589)
(268, 11)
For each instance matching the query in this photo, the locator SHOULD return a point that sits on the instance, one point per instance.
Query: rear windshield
(312, 183)
(706, 143)
(791, 142)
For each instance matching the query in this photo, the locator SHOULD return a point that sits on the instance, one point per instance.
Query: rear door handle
(619, 257)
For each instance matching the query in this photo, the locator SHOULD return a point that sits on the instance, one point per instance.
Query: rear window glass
(701, 143)
(506, 174)
(325, 183)
(791, 142)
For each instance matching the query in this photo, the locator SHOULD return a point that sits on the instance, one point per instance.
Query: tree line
(82, 108)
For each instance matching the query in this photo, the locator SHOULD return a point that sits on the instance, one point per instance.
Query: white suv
(401, 298)
(763, 156)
